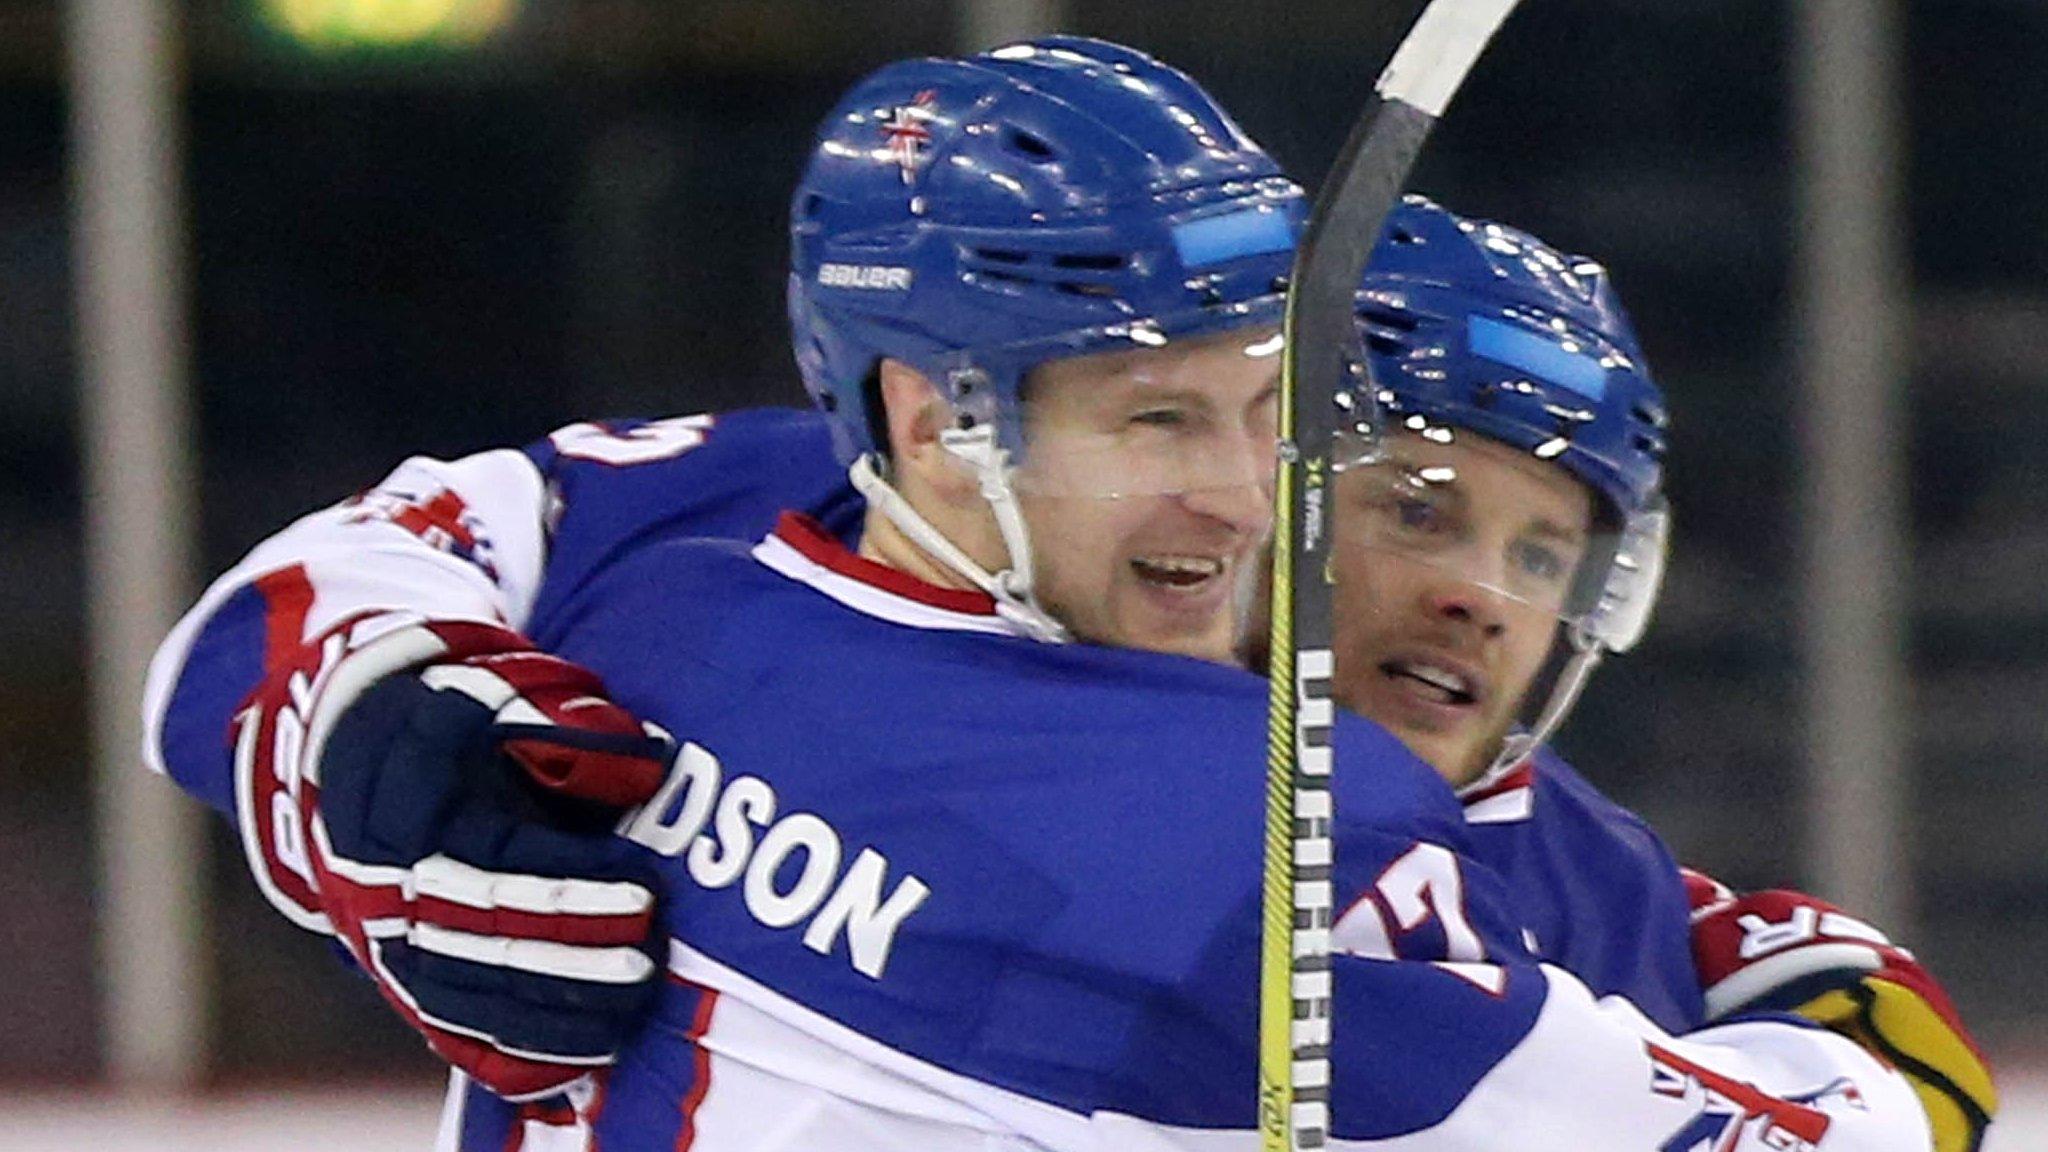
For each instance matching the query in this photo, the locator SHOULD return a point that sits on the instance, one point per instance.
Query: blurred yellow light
(388, 23)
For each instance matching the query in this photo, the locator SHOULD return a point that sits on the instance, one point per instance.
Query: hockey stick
(1294, 958)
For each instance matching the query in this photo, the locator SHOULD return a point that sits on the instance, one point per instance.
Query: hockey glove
(456, 789)
(1783, 951)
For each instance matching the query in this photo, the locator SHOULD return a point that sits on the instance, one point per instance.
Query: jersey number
(1423, 885)
(640, 444)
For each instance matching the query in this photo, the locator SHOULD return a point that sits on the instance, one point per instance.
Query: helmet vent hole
(810, 205)
(1002, 256)
(1029, 145)
(1094, 290)
(1389, 318)
(1092, 261)
(1382, 344)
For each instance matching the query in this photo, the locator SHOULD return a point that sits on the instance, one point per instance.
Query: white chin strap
(1571, 680)
(1010, 588)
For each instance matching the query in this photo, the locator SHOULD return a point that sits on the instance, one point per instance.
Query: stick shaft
(1295, 978)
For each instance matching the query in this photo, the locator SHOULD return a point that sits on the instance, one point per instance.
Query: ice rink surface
(404, 1121)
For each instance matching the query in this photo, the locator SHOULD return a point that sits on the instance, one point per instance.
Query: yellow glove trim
(1894, 1022)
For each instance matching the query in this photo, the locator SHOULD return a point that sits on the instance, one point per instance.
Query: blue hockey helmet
(1476, 325)
(1062, 197)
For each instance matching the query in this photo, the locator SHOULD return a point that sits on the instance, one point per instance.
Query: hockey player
(1050, 944)
(1512, 533)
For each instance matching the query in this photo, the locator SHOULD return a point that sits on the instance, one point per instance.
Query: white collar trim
(1503, 796)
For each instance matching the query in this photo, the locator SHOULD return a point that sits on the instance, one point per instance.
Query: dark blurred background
(466, 242)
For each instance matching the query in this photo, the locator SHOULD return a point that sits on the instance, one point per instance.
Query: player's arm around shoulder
(479, 538)
(409, 773)
(1449, 1035)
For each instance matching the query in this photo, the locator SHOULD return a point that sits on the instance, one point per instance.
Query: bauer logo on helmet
(874, 277)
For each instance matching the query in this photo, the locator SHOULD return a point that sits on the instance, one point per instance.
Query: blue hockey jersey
(1030, 921)
(1594, 886)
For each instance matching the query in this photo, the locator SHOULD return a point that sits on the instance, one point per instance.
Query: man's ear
(916, 414)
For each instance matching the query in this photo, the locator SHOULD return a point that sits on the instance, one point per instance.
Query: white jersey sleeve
(1598, 1074)
(483, 538)
(456, 539)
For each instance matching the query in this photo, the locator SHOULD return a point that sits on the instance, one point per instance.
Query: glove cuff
(283, 729)
(1794, 976)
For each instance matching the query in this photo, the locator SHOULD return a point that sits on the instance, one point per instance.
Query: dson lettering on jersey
(711, 823)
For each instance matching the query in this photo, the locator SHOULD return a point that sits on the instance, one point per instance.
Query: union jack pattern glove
(441, 796)
(1784, 951)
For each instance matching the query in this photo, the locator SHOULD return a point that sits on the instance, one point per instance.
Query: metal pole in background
(1854, 311)
(985, 24)
(129, 269)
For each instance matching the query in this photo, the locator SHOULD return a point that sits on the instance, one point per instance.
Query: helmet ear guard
(1635, 574)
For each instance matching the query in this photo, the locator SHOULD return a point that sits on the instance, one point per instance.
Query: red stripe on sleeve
(289, 595)
(699, 1025)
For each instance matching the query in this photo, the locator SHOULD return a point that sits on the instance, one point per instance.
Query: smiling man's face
(1454, 560)
(1147, 484)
